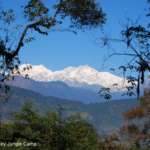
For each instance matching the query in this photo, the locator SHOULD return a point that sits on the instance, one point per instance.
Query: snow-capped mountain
(82, 76)
(80, 83)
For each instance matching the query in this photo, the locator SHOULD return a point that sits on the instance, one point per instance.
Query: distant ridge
(106, 117)
(73, 83)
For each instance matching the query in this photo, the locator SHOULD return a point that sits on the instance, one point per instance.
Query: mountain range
(80, 83)
(74, 76)
(75, 89)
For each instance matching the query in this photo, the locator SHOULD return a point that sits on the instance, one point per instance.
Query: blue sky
(62, 49)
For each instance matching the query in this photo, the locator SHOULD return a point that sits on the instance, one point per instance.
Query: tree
(81, 14)
(136, 39)
(80, 135)
(48, 131)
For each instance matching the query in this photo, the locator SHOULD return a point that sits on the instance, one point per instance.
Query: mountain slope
(57, 89)
(105, 117)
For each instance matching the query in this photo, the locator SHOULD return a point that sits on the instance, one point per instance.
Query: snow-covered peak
(40, 69)
(81, 69)
(74, 76)
(74, 72)
(36, 72)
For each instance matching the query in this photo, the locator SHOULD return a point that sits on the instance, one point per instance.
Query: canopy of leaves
(49, 131)
(82, 13)
(35, 9)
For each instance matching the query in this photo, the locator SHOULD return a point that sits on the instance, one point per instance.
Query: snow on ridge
(74, 76)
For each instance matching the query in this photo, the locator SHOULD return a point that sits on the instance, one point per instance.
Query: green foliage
(49, 131)
(82, 13)
(35, 9)
(99, 114)
(80, 135)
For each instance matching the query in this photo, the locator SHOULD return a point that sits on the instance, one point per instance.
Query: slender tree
(136, 40)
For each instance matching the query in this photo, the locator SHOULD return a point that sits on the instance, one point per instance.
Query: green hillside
(106, 117)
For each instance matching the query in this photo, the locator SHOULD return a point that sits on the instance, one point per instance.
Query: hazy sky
(62, 49)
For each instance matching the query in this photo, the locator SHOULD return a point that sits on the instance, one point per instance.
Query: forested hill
(106, 116)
